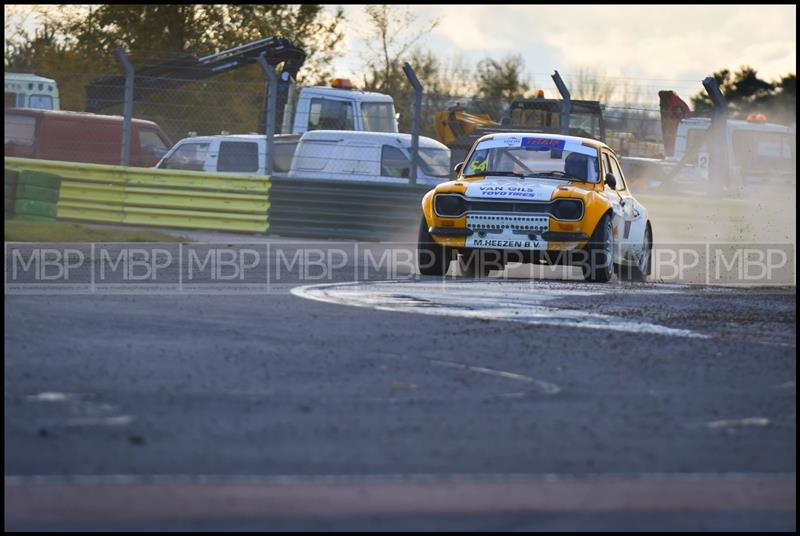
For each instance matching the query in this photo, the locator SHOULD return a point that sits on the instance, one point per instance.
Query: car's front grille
(505, 206)
(455, 205)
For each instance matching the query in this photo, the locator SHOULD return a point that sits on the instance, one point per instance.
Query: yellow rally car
(537, 198)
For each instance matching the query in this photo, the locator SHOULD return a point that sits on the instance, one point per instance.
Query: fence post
(272, 89)
(718, 157)
(291, 99)
(566, 102)
(415, 126)
(122, 58)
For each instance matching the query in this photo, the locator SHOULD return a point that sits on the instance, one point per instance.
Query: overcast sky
(653, 47)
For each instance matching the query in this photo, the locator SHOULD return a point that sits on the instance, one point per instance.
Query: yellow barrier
(159, 197)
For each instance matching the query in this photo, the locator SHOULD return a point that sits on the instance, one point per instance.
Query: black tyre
(642, 269)
(598, 266)
(433, 258)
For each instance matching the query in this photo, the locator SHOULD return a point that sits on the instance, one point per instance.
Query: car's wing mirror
(458, 167)
(611, 181)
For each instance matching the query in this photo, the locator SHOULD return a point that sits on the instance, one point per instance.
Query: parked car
(368, 156)
(81, 137)
(537, 198)
(231, 153)
(320, 154)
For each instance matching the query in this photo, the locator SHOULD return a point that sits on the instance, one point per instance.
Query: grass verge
(57, 231)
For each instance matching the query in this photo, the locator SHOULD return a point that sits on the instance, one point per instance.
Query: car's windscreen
(189, 156)
(534, 157)
(435, 162)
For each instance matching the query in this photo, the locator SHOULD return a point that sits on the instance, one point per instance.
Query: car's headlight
(568, 209)
(449, 205)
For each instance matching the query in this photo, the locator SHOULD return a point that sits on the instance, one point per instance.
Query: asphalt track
(402, 402)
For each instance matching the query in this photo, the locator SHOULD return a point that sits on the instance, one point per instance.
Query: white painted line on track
(753, 422)
(114, 420)
(488, 300)
(50, 396)
(541, 386)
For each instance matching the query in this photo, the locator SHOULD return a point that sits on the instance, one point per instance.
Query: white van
(368, 156)
(319, 154)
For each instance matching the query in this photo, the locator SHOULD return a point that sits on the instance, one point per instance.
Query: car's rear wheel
(643, 267)
(598, 266)
(433, 258)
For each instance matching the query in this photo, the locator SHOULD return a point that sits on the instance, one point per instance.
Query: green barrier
(36, 193)
(10, 192)
(345, 209)
(38, 178)
(35, 208)
(157, 197)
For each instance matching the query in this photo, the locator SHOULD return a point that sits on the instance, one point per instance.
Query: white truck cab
(759, 154)
(341, 108)
(754, 147)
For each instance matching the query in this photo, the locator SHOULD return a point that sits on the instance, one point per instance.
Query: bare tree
(390, 39)
(586, 84)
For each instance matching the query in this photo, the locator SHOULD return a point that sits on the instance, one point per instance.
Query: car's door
(634, 215)
(617, 206)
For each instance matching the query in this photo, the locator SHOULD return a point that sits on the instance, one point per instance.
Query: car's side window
(238, 156)
(616, 169)
(606, 166)
(394, 163)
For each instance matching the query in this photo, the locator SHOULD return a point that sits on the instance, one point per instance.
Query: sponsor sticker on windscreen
(542, 143)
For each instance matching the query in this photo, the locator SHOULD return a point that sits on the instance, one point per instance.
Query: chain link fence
(182, 106)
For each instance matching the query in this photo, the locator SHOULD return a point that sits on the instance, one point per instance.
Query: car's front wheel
(433, 258)
(597, 266)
